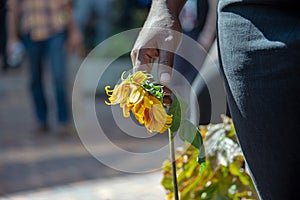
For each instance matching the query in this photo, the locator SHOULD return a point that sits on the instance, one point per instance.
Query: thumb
(165, 65)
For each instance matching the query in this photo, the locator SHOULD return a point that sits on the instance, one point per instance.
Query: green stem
(172, 153)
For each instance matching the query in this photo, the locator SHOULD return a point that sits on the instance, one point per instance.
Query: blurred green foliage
(225, 175)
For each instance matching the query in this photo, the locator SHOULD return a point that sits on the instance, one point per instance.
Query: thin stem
(172, 153)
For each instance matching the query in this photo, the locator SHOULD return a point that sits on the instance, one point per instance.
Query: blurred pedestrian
(198, 21)
(45, 26)
(99, 10)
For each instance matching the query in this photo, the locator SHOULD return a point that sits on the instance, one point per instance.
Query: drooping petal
(147, 119)
(138, 111)
(108, 91)
(147, 101)
(114, 95)
(126, 110)
(137, 94)
(139, 78)
(156, 119)
(124, 94)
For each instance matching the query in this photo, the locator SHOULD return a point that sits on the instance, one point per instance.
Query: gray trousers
(259, 49)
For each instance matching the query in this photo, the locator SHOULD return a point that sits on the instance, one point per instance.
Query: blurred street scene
(41, 153)
(33, 161)
(48, 165)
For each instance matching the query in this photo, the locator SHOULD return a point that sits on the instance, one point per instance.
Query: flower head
(143, 99)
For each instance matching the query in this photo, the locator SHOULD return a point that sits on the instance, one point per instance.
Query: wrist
(164, 14)
(174, 6)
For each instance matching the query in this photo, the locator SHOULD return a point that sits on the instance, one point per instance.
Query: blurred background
(44, 158)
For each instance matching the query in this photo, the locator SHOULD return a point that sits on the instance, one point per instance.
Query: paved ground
(143, 187)
(55, 167)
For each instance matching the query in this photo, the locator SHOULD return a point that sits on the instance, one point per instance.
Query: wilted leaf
(178, 109)
(189, 133)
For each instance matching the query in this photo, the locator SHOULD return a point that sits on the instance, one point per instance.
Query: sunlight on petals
(147, 109)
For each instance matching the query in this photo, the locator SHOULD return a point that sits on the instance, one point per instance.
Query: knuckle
(133, 53)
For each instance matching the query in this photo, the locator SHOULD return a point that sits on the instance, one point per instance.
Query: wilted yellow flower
(147, 109)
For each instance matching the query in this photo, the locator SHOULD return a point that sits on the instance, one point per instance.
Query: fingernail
(165, 78)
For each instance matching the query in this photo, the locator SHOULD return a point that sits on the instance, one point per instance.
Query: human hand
(158, 39)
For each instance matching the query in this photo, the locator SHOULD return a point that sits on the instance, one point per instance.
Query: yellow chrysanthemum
(147, 109)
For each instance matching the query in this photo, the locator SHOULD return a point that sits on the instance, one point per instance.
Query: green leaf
(189, 133)
(177, 109)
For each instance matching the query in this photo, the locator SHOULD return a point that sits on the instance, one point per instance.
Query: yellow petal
(136, 95)
(126, 110)
(139, 78)
(125, 92)
(107, 89)
(138, 111)
(107, 103)
(113, 94)
(157, 120)
(147, 101)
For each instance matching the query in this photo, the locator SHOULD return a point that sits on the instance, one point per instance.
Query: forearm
(164, 12)
(12, 18)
